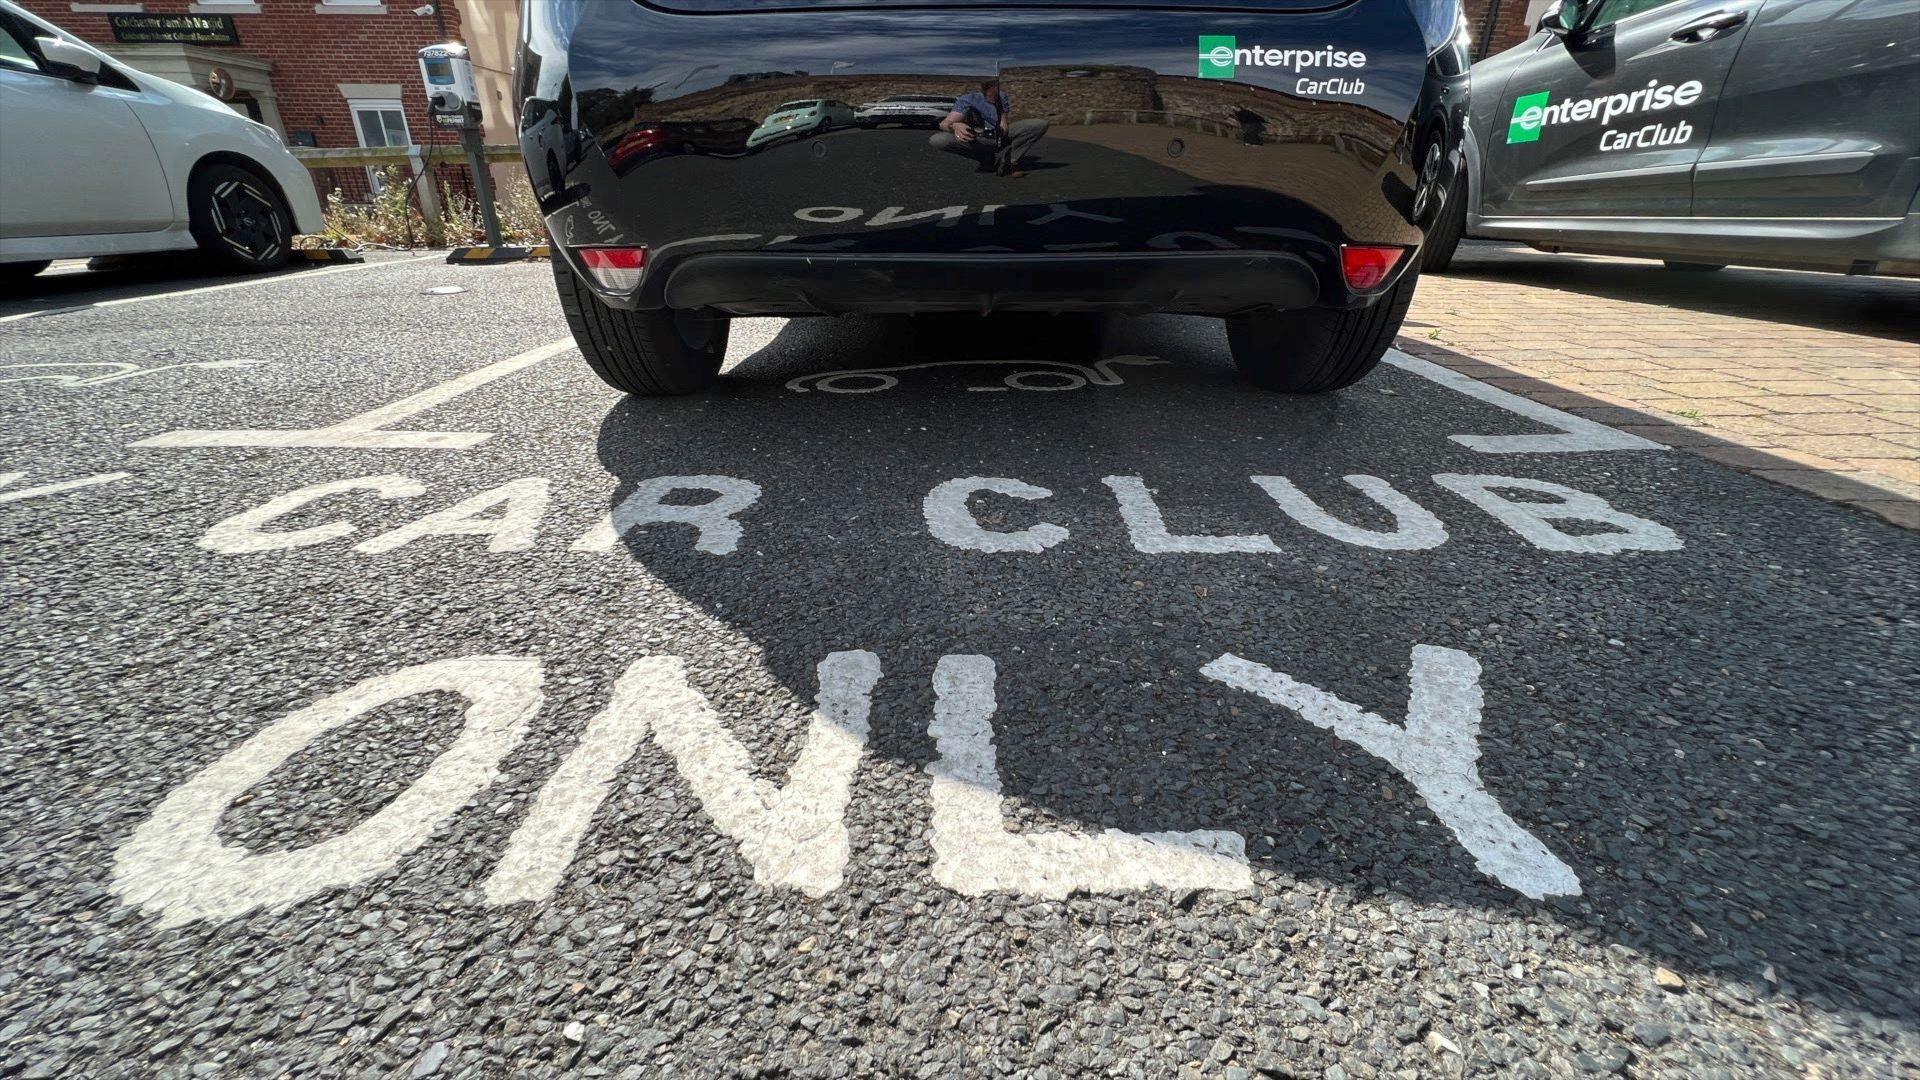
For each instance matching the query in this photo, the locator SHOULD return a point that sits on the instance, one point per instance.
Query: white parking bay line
(308, 275)
(368, 430)
(1575, 435)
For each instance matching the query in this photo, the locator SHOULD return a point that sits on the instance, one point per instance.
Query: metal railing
(420, 162)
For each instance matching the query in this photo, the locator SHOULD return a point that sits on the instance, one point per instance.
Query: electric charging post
(453, 102)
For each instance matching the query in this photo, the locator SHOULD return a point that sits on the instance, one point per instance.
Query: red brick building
(1498, 25)
(324, 73)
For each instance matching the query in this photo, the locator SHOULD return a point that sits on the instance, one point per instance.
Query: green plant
(390, 219)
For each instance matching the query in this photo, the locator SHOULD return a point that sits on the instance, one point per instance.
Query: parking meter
(448, 76)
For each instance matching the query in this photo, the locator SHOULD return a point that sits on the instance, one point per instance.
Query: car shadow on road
(1876, 307)
(1711, 738)
(74, 284)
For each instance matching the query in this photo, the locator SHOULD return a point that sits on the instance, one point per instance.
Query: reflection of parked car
(100, 159)
(1704, 133)
(555, 144)
(710, 136)
(912, 110)
(716, 137)
(802, 118)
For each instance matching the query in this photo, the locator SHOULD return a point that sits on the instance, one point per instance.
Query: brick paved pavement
(1810, 380)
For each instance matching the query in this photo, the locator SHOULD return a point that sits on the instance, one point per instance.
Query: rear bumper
(759, 283)
(1152, 188)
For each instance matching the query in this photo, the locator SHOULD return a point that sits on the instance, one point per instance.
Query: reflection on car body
(711, 137)
(907, 110)
(796, 118)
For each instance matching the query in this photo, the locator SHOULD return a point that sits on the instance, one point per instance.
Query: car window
(1612, 11)
(16, 40)
(13, 52)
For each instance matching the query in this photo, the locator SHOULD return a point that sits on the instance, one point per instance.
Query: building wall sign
(176, 29)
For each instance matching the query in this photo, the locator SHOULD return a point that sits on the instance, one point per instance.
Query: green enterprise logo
(1529, 116)
(1217, 56)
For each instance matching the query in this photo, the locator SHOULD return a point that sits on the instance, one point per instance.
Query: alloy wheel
(247, 220)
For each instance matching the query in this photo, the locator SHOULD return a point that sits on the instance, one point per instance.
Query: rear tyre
(1444, 238)
(15, 275)
(238, 219)
(651, 353)
(1694, 268)
(1314, 350)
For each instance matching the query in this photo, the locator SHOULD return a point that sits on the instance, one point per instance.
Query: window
(1612, 11)
(379, 123)
(12, 53)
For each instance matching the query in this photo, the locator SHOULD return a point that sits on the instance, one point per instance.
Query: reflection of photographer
(981, 127)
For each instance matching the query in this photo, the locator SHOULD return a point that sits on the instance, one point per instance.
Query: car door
(77, 160)
(1820, 116)
(1609, 120)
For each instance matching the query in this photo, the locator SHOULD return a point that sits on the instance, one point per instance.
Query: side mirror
(1569, 18)
(68, 60)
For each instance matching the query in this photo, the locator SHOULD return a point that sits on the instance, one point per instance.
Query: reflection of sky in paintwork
(617, 45)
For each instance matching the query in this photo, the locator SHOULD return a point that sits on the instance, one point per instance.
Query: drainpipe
(1486, 28)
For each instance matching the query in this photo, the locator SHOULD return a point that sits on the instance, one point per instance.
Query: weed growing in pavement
(391, 218)
(519, 212)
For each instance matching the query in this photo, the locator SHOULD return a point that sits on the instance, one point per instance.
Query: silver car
(1702, 132)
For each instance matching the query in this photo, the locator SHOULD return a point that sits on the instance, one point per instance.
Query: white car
(809, 117)
(100, 159)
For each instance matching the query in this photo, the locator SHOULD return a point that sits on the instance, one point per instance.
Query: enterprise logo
(1221, 57)
(1217, 56)
(1532, 113)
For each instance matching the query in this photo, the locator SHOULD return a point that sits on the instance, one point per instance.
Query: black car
(1276, 163)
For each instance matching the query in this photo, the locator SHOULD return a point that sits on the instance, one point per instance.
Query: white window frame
(354, 107)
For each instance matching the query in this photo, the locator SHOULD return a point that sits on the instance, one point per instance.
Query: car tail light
(1366, 266)
(615, 269)
(636, 142)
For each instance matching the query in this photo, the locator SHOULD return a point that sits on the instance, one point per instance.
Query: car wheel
(1443, 239)
(1314, 350)
(651, 353)
(238, 219)
(1694, 268)
(15, 275)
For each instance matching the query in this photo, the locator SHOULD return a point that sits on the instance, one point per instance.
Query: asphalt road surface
(385, 696)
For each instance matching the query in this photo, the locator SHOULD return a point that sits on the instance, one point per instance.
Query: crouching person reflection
(981, 126)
